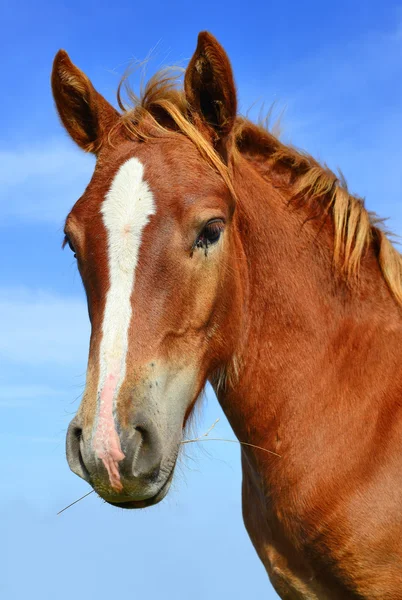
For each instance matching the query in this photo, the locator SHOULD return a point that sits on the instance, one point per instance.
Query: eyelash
(209, 235)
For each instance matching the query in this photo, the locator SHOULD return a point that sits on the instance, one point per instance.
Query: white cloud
(41, 182)
(42, 328)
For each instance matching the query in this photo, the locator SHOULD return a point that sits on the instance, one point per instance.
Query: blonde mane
(162, 109)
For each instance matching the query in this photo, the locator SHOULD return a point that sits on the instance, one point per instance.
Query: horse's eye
(210, 234)
(67, 242)
(212, 231)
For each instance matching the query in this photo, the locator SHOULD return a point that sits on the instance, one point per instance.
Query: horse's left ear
(210, 89)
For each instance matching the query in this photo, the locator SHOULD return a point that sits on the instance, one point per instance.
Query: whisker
(75, 502)
(202, 439)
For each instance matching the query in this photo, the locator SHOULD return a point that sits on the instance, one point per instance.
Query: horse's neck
(309, 348)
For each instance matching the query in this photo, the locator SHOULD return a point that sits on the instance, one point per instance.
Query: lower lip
(148, 501)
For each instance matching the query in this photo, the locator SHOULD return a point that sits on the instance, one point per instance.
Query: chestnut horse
(211, 251)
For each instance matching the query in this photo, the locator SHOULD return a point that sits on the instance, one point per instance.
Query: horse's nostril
(142, 448)
(73, 451)
(141, 439)
(141, 429)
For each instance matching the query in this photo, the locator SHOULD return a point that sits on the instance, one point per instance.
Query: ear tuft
(209, 87)
(85, 114)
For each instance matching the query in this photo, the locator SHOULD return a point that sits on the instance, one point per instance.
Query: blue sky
(336, 69)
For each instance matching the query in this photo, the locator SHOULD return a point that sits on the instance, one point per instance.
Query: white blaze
(126, 210)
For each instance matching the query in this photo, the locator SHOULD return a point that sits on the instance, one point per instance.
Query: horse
(211, 251)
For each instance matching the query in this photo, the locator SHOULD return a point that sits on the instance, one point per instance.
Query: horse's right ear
(85, 114)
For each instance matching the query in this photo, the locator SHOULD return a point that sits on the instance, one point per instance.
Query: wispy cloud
(18, 396)
(42, 328)
(41, 182)
(28, 391)
(348, 70)
(35, 439)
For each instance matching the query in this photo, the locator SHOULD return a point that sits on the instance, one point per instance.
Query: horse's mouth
(148, 501)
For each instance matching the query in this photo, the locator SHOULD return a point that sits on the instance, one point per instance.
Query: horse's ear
(85, 114)
(210, 89)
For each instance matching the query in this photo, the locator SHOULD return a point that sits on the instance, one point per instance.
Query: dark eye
(67, 242)
(210, 234)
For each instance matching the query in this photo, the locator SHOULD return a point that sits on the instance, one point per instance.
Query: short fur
(293, 313)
